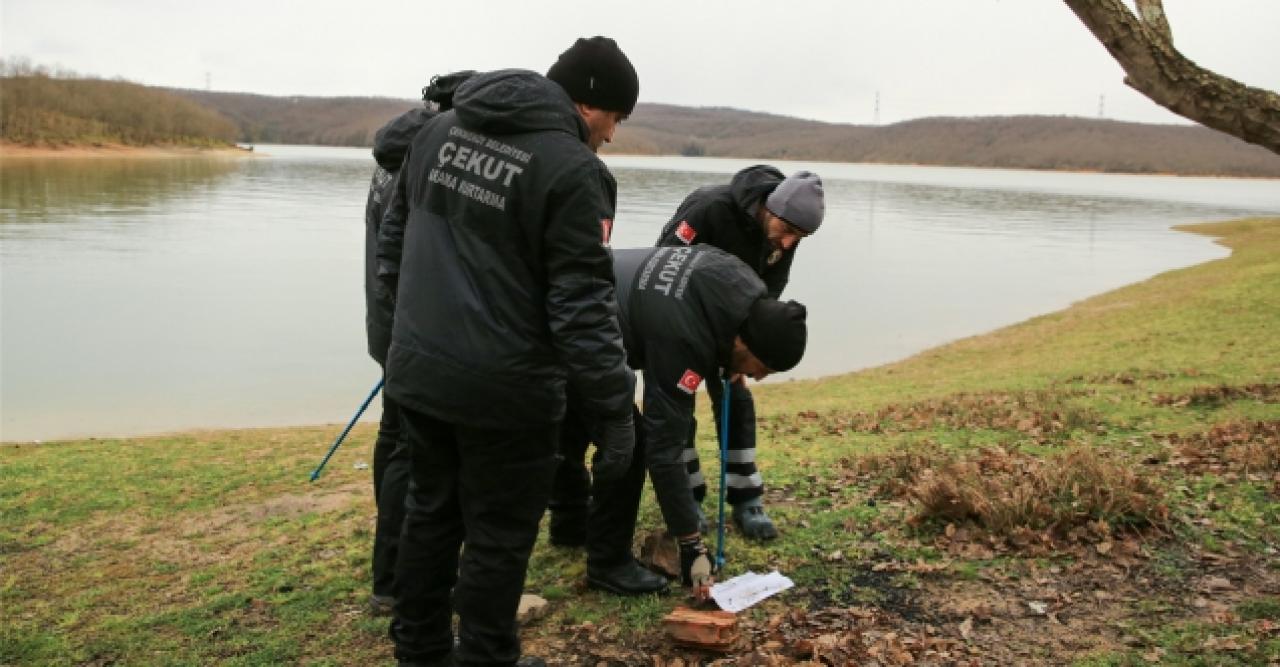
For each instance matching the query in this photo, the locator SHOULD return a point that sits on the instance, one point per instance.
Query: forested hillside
(324, 121)
(37, 108)
(1022, 142)
(1025, 142)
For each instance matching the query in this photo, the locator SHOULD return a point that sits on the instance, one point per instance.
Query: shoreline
(22, 151)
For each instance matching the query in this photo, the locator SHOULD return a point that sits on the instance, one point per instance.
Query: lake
(149, 295)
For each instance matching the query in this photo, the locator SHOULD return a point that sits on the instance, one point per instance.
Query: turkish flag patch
(685, 232)
(606, 230)
(689, 382)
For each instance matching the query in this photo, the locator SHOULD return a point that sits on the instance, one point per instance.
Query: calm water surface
(139, 296)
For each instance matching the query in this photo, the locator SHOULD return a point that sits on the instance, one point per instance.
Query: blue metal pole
(315, 474)
(724, 463)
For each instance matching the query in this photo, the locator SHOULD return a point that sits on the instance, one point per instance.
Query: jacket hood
(392, 141)
(750, 186)
(515, 101)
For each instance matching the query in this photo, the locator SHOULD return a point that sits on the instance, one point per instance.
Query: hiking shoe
(381, 605)
(750, 518)
(629, 578)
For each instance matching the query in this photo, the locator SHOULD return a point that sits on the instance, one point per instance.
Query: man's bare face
(601, 124)
(745, 363)
(781, 234)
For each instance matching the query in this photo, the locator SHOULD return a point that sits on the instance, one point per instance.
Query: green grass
(211, 547)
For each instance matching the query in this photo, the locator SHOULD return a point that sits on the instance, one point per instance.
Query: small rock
(659, 552)
(1039, 608)
(532, 608)
(1215, 583)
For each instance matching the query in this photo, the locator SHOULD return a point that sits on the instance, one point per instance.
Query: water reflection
(36, 190)
(183, 293)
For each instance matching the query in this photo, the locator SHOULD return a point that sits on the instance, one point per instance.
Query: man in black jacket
(494, 245)
(687, 313)
(390, 452)
(760, 218)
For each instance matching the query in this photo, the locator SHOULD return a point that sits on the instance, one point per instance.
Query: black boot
(629, 578)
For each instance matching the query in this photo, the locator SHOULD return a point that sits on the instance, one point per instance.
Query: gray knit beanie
(798, 200)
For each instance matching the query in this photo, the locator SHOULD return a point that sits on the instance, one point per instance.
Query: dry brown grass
(1266, 392)
(1231, 448)
(1007, 493)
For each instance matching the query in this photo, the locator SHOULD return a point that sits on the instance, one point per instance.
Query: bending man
(687, 314)
(760, 218)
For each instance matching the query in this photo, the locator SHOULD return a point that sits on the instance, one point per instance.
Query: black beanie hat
(775, 332)
(595, 71)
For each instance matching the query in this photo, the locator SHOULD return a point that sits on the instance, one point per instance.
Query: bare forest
(43, 107)
(1016, 142)
(40, 107)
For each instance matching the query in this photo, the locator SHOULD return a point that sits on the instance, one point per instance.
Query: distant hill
(324, 121)
(1022, 142)
(37, 109)
(1016, 142)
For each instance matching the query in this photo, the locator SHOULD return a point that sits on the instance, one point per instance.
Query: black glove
(615, 444)
(696, 568)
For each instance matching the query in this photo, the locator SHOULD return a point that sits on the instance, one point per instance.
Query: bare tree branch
(1154, 68)
(1152, 14)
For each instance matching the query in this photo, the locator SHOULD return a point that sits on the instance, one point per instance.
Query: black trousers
(390, 483)
(491, 486)
(610, 507)
(742, 479)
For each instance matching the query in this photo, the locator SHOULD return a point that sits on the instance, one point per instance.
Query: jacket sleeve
(695, 215)
(673, 371)
(582, 308)
(391, 232)
(777, 276)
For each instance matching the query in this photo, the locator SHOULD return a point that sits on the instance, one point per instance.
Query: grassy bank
(9, 150)
(1100, 486)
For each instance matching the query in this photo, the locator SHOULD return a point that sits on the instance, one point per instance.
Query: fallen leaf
(1216, 583)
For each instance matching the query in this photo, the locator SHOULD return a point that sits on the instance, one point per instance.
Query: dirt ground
(1029, 613)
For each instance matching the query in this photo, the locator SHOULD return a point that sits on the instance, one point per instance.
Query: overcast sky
(822, 60)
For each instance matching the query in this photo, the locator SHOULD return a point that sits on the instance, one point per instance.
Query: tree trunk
(1157, 70)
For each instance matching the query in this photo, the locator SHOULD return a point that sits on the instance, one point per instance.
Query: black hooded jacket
(389, 146)
(494, 243)
(681, 308)
(725, 216)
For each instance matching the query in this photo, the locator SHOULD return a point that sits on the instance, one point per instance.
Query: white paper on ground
(747, 589)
